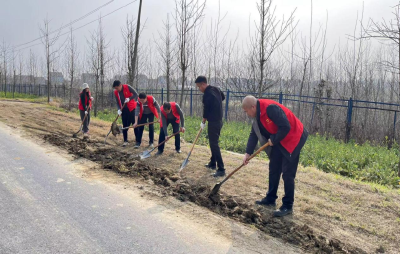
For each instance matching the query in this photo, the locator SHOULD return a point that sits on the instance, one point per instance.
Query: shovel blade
(214, 191)
(145, 155)
(185, 162)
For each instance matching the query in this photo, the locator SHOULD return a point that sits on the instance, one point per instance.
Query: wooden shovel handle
(167, 139)
(197, 137)
(251, 157)
(140, 125)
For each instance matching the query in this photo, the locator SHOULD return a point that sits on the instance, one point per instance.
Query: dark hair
(201, 79)
(142, 96)
(116, 83)
(167, 105)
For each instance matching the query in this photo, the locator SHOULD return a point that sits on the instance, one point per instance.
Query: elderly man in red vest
(145, 113)
(172, 114)
(126, 95)
(277, 125)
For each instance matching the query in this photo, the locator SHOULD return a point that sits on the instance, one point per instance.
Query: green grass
(17, 96)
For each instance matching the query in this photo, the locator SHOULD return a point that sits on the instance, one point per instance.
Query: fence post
(394, 125)
(280, 97)
(227, 105)
(191, 101)
(162, 95)
(348, 123)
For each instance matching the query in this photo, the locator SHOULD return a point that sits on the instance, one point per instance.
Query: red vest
(292, 139)
(174, 112)
(131, 104)
(150, 104)
(86, 101)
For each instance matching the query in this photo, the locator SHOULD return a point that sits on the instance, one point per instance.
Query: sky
(20, 19)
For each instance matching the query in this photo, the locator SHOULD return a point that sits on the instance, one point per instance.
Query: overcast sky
(20, 19)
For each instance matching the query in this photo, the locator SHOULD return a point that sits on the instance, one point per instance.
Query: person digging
(172, 114)
(212, 101)
(286, 135)
(146, 111)
(85, 104)
(125, 94)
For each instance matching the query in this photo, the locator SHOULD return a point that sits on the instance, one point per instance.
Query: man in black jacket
(277, 125)
(212, 102)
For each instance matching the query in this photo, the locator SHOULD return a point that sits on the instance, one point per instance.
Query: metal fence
(344, 119)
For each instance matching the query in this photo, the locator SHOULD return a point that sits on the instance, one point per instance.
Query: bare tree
(388, 31)
(271, 32)
(187, 14)
(5, 54)
(49, 50)
(166, 50)
(72, 56)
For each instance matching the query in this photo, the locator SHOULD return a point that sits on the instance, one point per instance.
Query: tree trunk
(133, 63)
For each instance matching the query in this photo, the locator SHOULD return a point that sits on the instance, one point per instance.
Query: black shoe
(266, 203)
(159, 152)
(219, 173)
(178, 151)
(283, 211)
(209, 166)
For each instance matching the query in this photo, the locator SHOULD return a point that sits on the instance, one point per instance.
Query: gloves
(127, 100)
(86, 112)
(119, 112)
(91, 98)
(202, 125)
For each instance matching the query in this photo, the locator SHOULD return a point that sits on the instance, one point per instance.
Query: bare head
(117, 85)
(249, 105)
(167, 107)
(201, 83)
(142, 98)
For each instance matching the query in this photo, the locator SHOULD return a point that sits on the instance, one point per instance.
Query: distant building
(56, 77)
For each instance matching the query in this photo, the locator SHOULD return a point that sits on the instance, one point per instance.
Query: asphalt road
(46, 209)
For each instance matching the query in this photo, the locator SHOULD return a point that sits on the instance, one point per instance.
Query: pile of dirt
(198, 192)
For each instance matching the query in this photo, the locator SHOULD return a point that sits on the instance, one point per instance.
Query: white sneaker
(151, 145)
(125, 144)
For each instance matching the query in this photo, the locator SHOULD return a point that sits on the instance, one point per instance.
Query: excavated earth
(188, 190)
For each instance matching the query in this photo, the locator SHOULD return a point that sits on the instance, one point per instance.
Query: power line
(84, 24)
(69, 24)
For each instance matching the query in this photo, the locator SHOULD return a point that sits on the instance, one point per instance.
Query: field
(354, 209)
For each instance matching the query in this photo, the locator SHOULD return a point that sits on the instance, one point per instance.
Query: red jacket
(86, 101)
(150, 104)
(131, 104)
(292, 139)
(174, 112)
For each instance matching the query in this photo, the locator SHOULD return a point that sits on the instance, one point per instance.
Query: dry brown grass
(361, 214)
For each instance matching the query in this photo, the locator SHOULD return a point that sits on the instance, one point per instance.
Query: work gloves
(202, 125)
(91, 98)
(86, 112)
(127, 100)
(119, 112)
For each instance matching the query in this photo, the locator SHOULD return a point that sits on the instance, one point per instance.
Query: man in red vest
(148, 108)
(172, 114)
(277, 125)
(85, 104)
(125, 94)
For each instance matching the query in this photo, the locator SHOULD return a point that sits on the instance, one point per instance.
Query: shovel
(114, 128)
(147, 154)
(75, 135)
(139, 125)
(216, 188)
(186, 161)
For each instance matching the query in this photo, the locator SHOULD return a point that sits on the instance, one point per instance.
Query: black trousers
(280, 165)
(85, 127)
(146, 118)
(214, 131)
(175, 129)
(128, 118)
